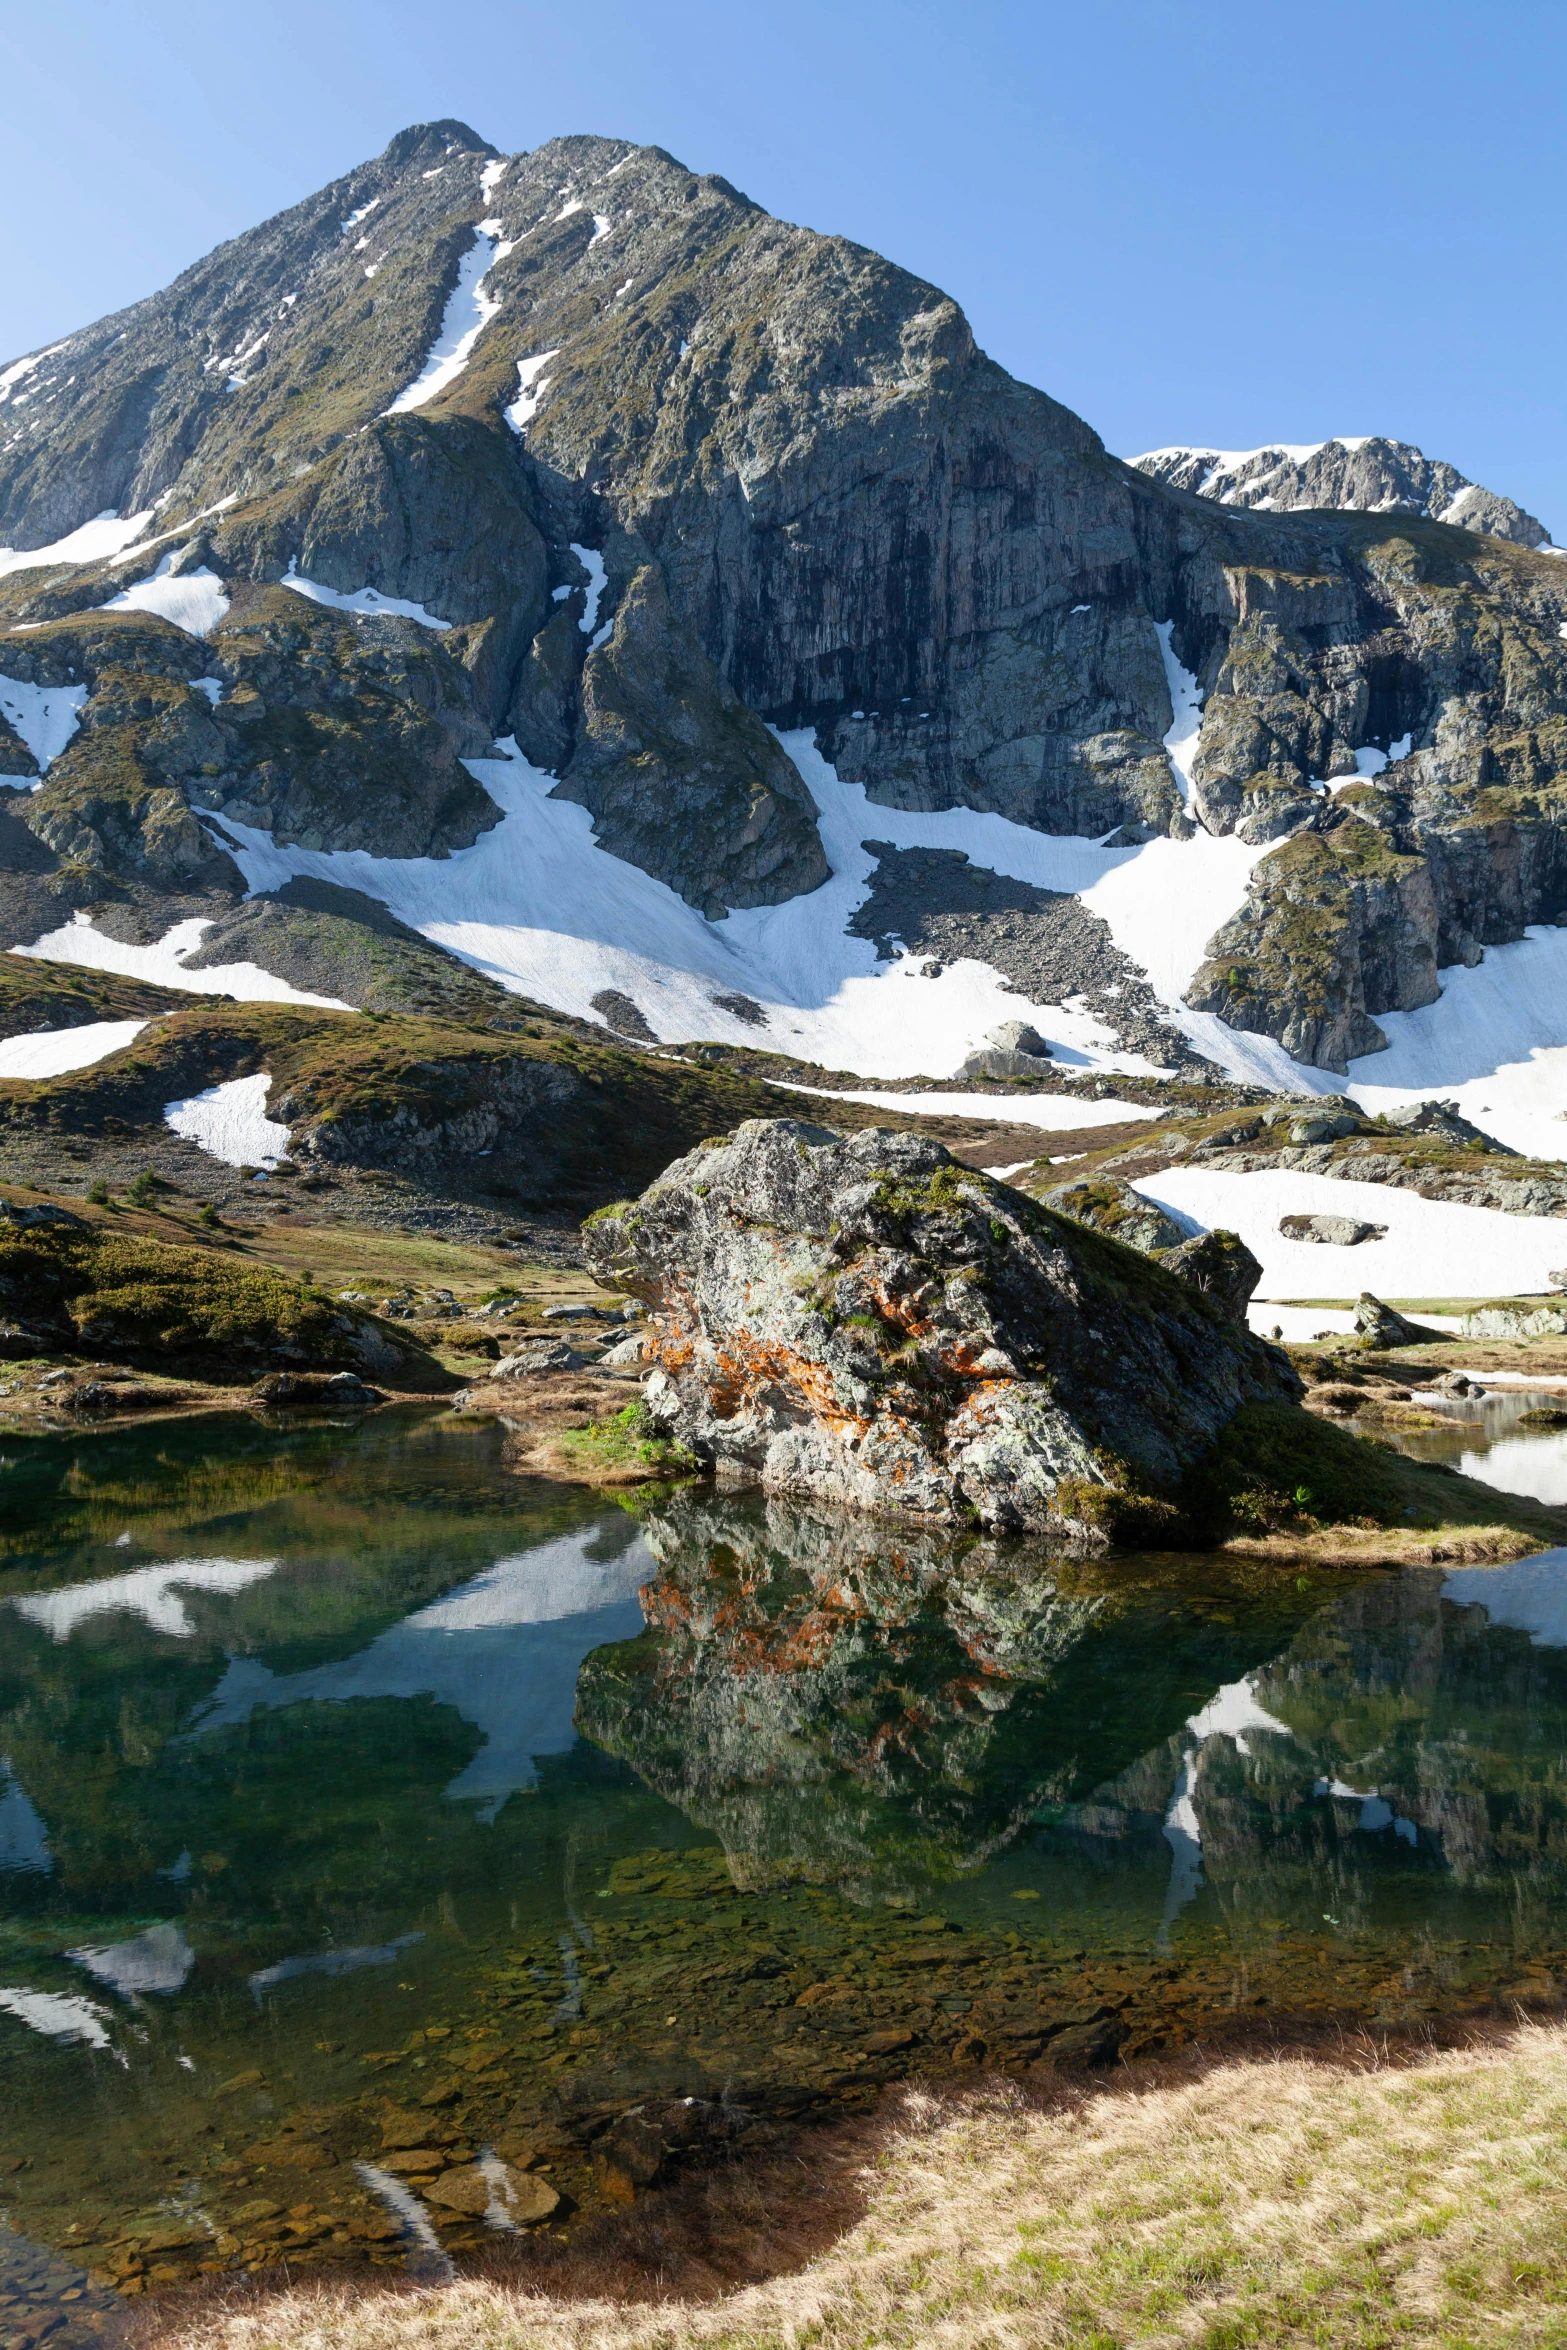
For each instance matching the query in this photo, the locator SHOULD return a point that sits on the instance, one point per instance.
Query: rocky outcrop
(1516, 1322)
(1335, 923)
(681, 777)
(1375, 475)
(866, 1321)
(1115, 1208)
(1380, 1325)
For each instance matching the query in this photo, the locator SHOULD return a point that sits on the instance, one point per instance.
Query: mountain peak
(424, 138)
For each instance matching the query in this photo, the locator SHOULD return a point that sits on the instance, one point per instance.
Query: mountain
(1368, 474)
(671, 614)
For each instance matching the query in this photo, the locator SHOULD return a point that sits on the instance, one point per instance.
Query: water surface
(357, 1796)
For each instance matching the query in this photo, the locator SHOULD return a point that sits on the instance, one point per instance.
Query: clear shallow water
(356, 1794)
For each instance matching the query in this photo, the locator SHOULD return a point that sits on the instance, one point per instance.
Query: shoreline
(1325, 2175)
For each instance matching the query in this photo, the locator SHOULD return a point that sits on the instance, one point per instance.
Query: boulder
(548, 1355)
(1445, 1119)
(1332, 1231)
(864, 1320)
(1012, 1050)
(1220, 1266)
(1379, 1326)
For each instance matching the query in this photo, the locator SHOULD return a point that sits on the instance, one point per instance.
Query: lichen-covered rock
(1114, 1207)
(1220, 1266)
(1379, 1325)
(867, 1321)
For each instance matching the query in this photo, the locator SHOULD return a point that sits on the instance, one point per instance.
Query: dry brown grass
(1266, 2203)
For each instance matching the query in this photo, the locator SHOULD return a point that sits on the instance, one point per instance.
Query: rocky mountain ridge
(585, 452)
(1366, 473)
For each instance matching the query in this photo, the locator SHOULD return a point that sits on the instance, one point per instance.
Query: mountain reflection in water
(345, 1775)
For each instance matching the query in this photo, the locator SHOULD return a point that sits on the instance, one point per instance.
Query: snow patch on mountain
(193, 600)
(363, 600)
(469, 310)
(532, 385)
(45, 716)
(93, 542)
(50, 1052)
(78, 942)
(230, 1122)
(1186, 702)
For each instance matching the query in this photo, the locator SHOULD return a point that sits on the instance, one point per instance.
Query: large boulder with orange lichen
(863, 1319)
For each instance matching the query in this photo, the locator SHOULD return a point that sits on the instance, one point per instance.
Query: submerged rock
(867, 1321)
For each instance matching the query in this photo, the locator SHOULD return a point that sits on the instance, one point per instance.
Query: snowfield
(78, 942)
(1050, 1111)
(1432, 1249)
(230, 1123)
(50, 1052)
(542, 908)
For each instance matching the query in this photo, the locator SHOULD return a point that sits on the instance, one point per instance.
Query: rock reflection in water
(884, 1708)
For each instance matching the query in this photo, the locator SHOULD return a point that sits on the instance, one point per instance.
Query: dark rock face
(456, 1111)
(865, 1321)
(1375, 476)
(1334, 923)
(681, 777)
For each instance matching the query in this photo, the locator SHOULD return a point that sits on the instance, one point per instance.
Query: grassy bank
(1264, 2203)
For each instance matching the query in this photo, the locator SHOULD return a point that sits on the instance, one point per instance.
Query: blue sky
(1218, 223)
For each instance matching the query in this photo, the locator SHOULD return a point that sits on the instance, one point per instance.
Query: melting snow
(105, 535)
(212, 687)
(192, 600)
(365, 599)
(1049, 1111)
(50, 1052)
(537, 904)
(149, 1592)
(593, 564)
(532, 386)
(45, 716)
(1434, 1248)
(1186, 701)
(354, 218)
(78, 942)
(469, 310)
(230, 1123)
(601, 228)
(1231, 1712)
(491, 176)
